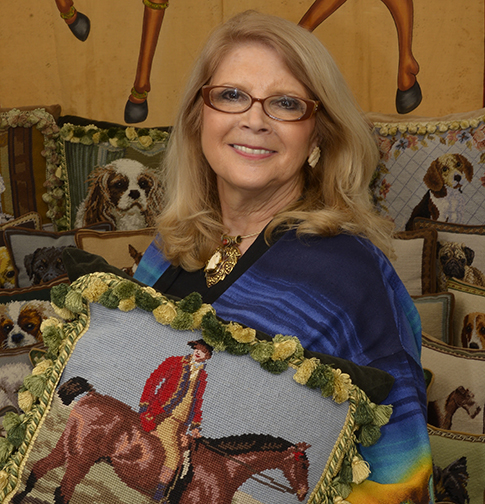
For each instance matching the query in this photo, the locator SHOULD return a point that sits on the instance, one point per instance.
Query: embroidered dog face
(44, 264)
(473, 332)
(7, 271)
(448, 172)
(20, 322)
(125, 193)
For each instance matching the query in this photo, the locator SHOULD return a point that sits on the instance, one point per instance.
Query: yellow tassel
(305, 370)
(360, 470)
(382, 414)
(127, 304)
(3, 479)
(283, 350)
(63, 312)
(241, 334)
(340, 500)
(51, 321)
(165, 313)
(199, 314)
(42, 367)
(95, 290)
(26, 401)
(342, 386)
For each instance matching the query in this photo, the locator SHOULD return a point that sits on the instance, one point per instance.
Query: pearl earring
(314, 157)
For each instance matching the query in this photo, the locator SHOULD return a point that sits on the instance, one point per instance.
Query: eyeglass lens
(233, 100)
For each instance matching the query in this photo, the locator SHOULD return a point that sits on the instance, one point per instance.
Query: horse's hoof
(81, 26)
(136, 112)
(407, 101)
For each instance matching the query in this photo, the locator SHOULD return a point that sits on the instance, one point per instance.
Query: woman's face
(250, 152)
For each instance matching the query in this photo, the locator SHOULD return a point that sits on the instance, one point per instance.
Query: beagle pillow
(431, 168)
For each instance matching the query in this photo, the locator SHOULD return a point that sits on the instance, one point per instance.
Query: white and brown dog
(7, 270)
(455, 261)
(444, 199)
(125, 193)
(20, 322)
(473, 332)
(11, 379)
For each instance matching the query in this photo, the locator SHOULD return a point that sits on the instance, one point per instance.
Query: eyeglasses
(279, 107)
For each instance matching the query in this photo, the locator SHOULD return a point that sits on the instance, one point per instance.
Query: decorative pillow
(436, 312)
(458, 466)
(8, 277)
(469, 314)
(460, 251)
(122, 249)
(415, 260)
(430, 167)
(456, 399)
(15, 365)
(27, 153)
(192, 396)
(37, 254)
(108, 175)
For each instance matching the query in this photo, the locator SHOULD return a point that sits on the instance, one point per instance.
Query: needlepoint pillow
(149, 396)
(122, 249)
(469, 314)
(457, 396)
(415, 260)
(107, 173)
(436, 313)
(430, 167)
(460, 251)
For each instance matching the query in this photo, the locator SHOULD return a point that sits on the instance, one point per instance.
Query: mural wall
(379, 45)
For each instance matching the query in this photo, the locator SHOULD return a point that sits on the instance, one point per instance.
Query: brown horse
(459, 398)
(102, 429)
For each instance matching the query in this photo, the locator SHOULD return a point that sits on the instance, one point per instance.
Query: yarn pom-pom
(305, 370)
(191, 303)
(360, 470)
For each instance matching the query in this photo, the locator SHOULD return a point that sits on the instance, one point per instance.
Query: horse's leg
(318, 12)
(408, 95)
(136, 109)
(75, 472)
(78, 23)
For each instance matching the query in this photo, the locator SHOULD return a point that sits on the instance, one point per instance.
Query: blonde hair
(336, 191)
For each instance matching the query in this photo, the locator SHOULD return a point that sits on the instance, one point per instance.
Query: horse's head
(296, 469)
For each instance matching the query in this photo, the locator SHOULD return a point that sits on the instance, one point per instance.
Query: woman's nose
(255, 118)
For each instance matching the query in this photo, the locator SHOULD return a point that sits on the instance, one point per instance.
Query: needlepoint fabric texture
(141, 386)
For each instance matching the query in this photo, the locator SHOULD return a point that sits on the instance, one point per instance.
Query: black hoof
(81, 26)
(407, 101)
(136, 112)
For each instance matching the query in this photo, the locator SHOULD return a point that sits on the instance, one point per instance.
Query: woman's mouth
(251, 150)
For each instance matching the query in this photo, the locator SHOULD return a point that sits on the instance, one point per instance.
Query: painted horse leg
(78, 23)
(318, 12)
(136, 109)
(408, 95)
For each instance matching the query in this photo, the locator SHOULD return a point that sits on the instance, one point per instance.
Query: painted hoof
(407, 101)
(136, 112)
(81, 26)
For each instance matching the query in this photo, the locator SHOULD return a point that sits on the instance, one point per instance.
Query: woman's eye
(232, 95)
(287, 103)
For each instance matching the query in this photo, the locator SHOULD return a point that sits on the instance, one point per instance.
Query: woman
(268, 216)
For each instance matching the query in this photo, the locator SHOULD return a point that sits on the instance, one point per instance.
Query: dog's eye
(468, 328)
(29, 326)
(7, 327)
(144, 184)
(10, 274)
(482, 330)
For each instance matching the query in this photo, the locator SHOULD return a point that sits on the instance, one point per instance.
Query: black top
(177, 282)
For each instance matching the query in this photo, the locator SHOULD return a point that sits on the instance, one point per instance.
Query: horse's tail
(68, 391)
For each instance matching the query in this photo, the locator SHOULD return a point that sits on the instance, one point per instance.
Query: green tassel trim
(275, 356)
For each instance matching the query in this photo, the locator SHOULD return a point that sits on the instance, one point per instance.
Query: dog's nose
(134, 194)
(457, 177)
(473, 345)
(17, 338)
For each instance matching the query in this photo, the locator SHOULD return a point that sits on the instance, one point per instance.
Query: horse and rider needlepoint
(171, 408)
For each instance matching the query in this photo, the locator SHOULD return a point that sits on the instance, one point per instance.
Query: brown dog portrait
(444, 199)
(455, 261)
(473, 332)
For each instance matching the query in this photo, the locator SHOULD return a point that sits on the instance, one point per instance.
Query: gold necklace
(224, 258)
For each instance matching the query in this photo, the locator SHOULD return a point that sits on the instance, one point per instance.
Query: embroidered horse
(459, 398)
(102, 429)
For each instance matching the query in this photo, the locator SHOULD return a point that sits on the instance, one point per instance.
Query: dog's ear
(97, 202)
(28, 263)
(467, 167)
(433, 178)
(469, 255)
